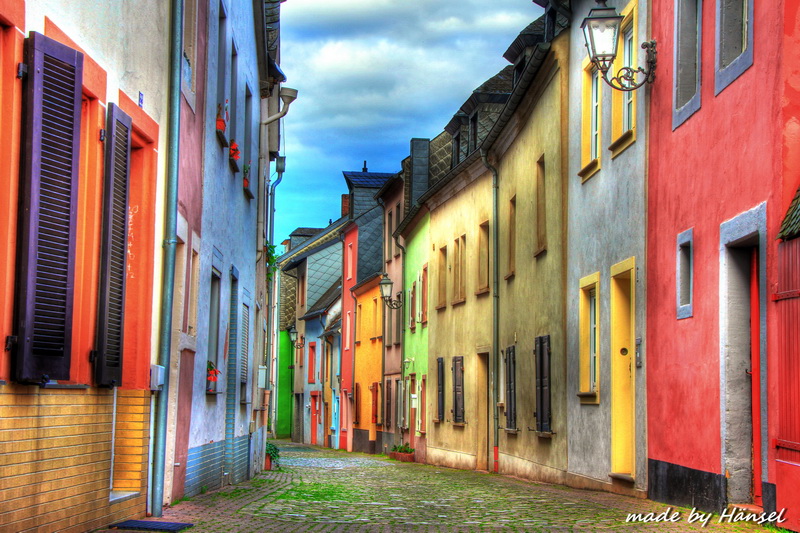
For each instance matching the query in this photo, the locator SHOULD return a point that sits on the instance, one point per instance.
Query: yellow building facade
(368, 372)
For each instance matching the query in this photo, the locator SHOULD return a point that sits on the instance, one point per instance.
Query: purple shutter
(111, 306)
(49, 195)
(546, 415)
(440, 388)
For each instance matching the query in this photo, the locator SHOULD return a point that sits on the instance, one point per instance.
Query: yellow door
(623, 278)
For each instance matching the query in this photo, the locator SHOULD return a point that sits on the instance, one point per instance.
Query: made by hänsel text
(734, 514)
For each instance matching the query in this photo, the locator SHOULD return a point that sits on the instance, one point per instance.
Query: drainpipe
(495, 307)
(169, 245)
(402, 321)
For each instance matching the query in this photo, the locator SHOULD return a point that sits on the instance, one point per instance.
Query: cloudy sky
(372, 74)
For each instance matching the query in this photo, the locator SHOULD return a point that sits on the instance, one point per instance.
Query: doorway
(623, 369)
(484, 401)
(742, 309)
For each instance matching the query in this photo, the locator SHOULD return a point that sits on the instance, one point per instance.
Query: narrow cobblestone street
(327, 490)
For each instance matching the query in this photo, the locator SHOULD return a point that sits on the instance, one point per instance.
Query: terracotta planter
(404, 457)
(267, 462)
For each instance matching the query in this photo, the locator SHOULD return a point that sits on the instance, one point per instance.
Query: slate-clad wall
(370, 243)
(324, 268)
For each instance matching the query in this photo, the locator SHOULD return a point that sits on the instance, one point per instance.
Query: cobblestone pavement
(331, 491)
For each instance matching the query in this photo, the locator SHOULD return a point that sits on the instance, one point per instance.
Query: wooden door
(185, 390)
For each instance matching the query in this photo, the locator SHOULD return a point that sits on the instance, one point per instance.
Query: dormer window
(456, 149)
(473, 132)
(518, 68)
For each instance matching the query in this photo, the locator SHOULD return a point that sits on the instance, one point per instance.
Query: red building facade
(718, 182)
(349, 270)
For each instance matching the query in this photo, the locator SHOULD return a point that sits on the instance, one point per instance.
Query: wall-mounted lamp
(293, 338)
(601, 31)
(386, 293)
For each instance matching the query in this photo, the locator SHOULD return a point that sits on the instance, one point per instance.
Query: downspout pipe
(169, 246)
(495, 307)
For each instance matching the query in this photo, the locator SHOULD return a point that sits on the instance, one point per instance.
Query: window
(389, 240)
(543, 404)
(375, 389)
(441, 284)
(398, 323)
(511, 388)
(233, 127)
(223, 112)
(250, 178)
(688, 36)
(359, 323)
(194, 286)
(114, 246)
(347, 331)
(388, 328)
(396, 225)
(48, 223)
(456, 149)
(399, 402)
(512, 237)
(473, 132)
(375, 319)
(233, 329)
(591, 121)
(459, 274)
(541, 207)
(623, 103)
(301, 291)
(685, 274)
(350, 260)
(190, 43)
(734, 41)
(589, 338)
(424, 297)
(458, 390)
(312, 360)
(483, 258)
(213, 329)
(439, 389)
(412, 306)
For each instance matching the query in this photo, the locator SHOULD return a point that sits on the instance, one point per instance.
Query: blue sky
(371, 75)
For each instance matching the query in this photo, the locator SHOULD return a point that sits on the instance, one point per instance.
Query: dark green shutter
(458, 389)
(440, 388)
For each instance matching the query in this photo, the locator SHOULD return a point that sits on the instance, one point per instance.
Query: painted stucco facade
(607, 228)
(367, 375)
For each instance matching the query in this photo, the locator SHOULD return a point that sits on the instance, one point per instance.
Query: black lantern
(601, 31)
(293, 338)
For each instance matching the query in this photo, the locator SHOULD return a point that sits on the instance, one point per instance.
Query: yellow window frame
(587, 285)
(621, 136)
(590, 165)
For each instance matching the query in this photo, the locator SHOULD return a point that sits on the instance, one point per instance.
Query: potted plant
(211, 375)
(271, 455)
(234, 155)
(222, 122)
(402, 452)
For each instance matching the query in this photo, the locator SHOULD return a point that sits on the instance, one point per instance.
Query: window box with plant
(246, 181)
(271, 456)
(402, 452)
(234, 156)
(212, 374)
(222, 123)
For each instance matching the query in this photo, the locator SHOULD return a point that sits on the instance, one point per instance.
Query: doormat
(144, 525)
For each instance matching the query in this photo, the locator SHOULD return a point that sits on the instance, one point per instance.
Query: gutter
(169, 245)
(495, 307)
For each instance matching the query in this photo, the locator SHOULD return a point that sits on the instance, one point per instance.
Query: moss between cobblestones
(322, 492)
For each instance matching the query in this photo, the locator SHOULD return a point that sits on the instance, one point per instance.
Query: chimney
(365, 166)
(345, 205)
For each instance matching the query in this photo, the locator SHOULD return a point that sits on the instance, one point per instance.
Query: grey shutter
(537, 355)
(458, 389)
(244, 362)
(47, 215)
(545, 371)
(387, 417)
(440, 388)
(113, 252)
(511, 388)
(357, 402)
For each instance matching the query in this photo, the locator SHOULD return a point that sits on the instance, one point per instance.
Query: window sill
(509, 276)
(501, 405)
(589, 398)
(51, 385)
(248, 193)
(540, 252)
(545, 434)
(223, 141)
(435, 420)
(213, 392)
(119, 496)
(482, 290)
(440, 307)
(622, 143)
(233, 164)
(460, 424)
(622, 477)
(590, 169)
(458, 302)
(511, 431)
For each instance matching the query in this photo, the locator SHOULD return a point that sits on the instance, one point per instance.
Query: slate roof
(371, 180)
(790, 227)
(330, 296)
(325, 235)
(499, 83)
(306, 231)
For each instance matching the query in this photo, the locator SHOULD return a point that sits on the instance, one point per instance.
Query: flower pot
(267, 463)
(400, 456)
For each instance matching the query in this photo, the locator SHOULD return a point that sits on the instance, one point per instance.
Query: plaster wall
(606, 225)
(458, 329)
(350, 260)
(691, 172)
(283, 391)
(368, 355)
(532, 299)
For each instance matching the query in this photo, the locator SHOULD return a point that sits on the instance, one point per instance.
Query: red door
(314, 416)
